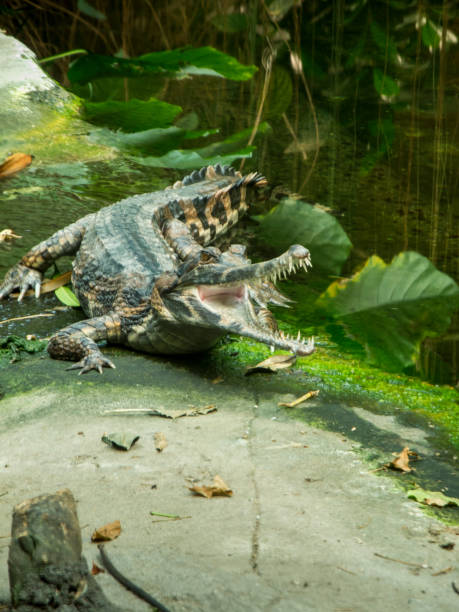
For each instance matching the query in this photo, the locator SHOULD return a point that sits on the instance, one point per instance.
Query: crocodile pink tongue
(215, 293)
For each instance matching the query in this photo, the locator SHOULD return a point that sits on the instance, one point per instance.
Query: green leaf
(430, 34)
(187, 160)
(235, 142)
(89, 10)
(131, 116)
(279, 93)
(277, 9)
(231, 22)
(384, 42)
(296, 222)
(67, 297)
(383, 135)
(384, 84)
(432, 498)
(390, 309)
(202, 60)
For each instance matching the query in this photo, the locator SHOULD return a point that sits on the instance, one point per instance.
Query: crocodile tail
(209, 216)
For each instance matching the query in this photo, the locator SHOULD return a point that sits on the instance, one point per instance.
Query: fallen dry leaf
(120, 440)
(219, 487)
(401, 461)
(96, 569)
(272, 364)
(160, 441)
(14, 163)
(300, 400)
(110, 531)
(8, 234)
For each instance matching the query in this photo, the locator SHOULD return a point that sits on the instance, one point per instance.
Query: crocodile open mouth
(227, 295)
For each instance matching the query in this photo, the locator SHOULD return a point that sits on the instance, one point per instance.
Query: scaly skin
(147, 277)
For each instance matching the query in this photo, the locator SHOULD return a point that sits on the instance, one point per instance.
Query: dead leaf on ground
(272, 364)
(160, 441)
(162, 412)
(120, 440)
(108, 532)
(14, 163)
(402, 460)
(96, 569)
(300, 400)
(218, 487)
(7, 235)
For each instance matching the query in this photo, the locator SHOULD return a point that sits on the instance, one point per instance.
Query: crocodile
(147, 276)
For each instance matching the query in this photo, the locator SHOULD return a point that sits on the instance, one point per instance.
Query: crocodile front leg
(28, 273)
(78, 342)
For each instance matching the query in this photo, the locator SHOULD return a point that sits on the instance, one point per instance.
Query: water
(386, 172)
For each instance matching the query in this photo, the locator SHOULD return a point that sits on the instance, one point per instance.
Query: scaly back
(209, 201)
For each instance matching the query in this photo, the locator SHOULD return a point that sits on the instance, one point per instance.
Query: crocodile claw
(93, 361)
(23, 277)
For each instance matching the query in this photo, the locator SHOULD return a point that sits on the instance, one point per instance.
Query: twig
(42, 314)
(268, 57)
(176, 517)
(117, 575)
(443, 571)
(400, 561)
(300, 400)
(343, 569)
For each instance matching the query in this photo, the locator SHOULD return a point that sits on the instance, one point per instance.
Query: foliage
(175, 63)
(152, 127)
(67, 297)
(390, 309)
(295, 221)
(133, 115)
(12, 346)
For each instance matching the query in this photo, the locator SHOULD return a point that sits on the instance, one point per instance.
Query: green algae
(342, 376)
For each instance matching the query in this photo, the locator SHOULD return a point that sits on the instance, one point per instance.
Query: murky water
(388, 201)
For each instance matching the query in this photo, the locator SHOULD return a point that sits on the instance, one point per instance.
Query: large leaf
(133, 115)
(385, 85)
(296, 222)
(390, 309)
(154, 142)
(231, 22)
(178, 62)
(67, 297)
(235, 142)
(187, 160)
(385, 42)
(279, 93)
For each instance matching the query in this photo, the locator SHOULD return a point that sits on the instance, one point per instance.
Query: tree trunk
(45, 564)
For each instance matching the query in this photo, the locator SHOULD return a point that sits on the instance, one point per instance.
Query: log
(45, 564)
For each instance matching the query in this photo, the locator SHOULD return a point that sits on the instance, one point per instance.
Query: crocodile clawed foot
(23, 277)
(93, 361)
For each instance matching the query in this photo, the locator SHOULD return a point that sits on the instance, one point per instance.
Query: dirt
(310, 524)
